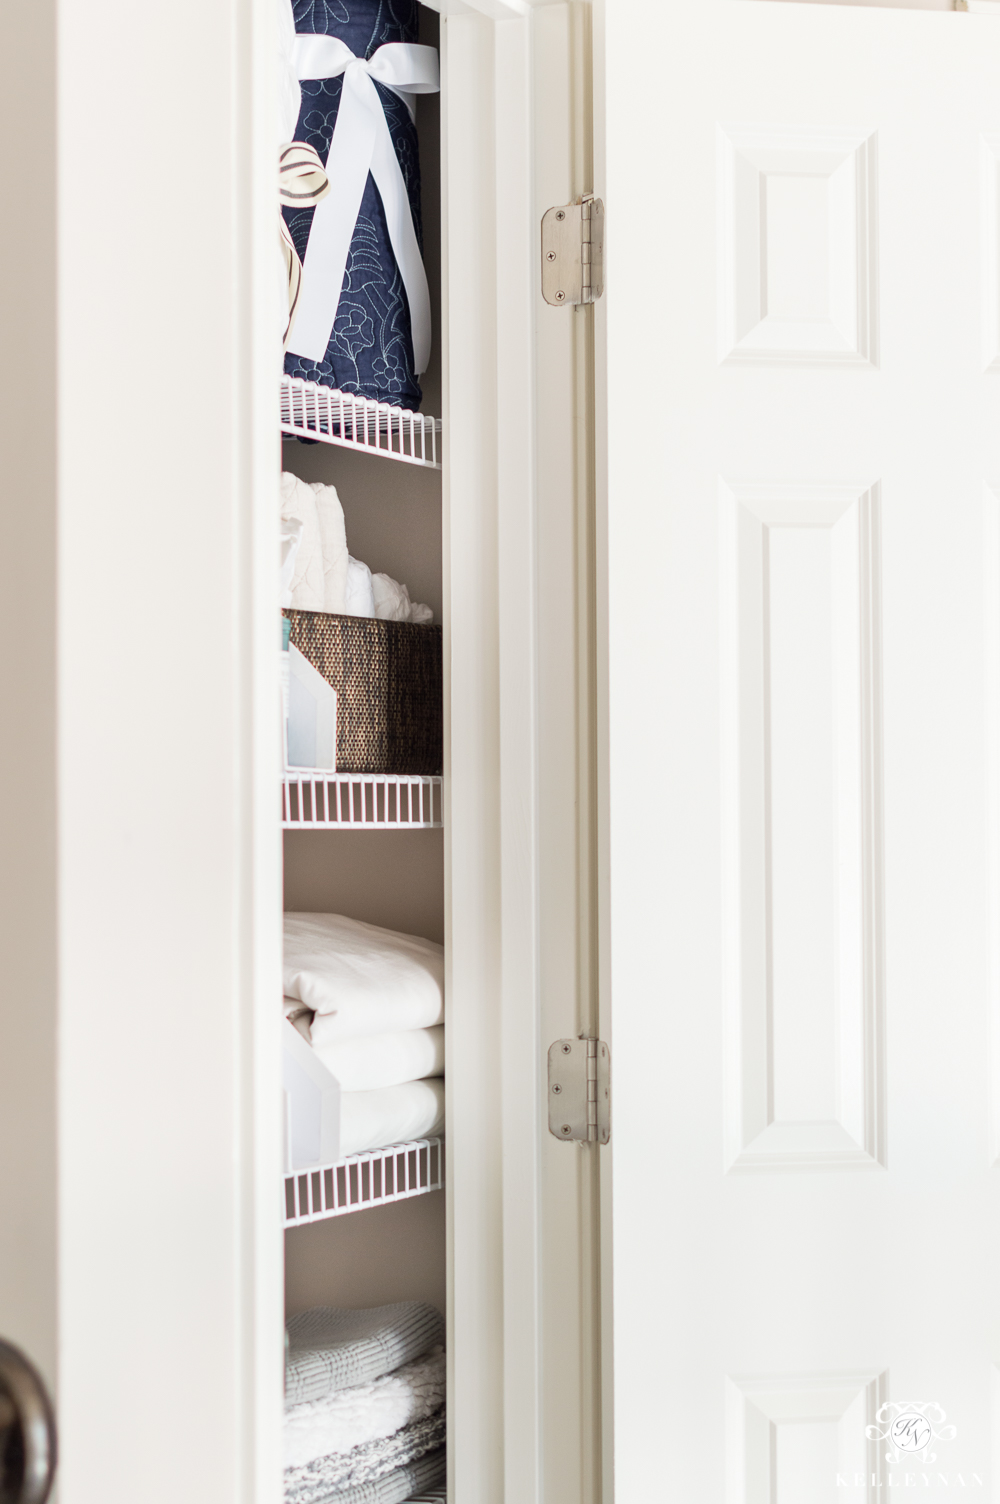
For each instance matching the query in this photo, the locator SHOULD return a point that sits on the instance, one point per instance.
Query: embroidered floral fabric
(370, 350)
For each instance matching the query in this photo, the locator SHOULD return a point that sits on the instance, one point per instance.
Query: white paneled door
(803, 776)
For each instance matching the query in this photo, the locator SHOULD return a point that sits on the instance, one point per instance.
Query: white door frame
(523, 1278)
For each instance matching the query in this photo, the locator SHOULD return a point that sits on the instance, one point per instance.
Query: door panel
(803, 422)
(140, 1125)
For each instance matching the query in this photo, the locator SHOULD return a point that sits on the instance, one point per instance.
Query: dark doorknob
(27, 1431)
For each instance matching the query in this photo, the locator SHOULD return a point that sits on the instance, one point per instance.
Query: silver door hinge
(580, 1090)
(573, 252)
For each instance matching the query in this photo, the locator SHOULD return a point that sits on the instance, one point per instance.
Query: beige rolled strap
(302, 182)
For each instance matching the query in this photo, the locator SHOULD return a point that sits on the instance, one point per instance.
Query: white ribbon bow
(361, 145)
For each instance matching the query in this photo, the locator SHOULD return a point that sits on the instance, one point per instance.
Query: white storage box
(310, 706)
(312, 1106)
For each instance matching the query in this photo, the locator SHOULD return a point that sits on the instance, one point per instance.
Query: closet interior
(364, 883)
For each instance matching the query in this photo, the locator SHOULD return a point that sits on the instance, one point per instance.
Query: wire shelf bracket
(329, 416)
(374, 1178)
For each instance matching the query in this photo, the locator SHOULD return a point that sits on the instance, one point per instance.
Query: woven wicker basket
(387, 675)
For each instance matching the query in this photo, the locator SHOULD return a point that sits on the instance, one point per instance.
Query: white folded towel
(379, 1060)
(359, 598)
(298, 505)
(319, 578)
(350, 1417)
(373, 1119)
(361, 979)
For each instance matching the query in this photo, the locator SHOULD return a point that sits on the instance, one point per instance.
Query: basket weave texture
(387, 675)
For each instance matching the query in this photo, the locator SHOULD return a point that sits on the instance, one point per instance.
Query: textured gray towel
(331, 1349)
(395, 1488)
(336, 1474)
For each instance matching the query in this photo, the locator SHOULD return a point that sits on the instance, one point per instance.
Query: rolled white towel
(379, 1060)
(392, 602)
(298, 1015)
(373, 1119)
(361, 979)
(359, 598)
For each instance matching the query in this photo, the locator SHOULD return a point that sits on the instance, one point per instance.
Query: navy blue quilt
(370, 350)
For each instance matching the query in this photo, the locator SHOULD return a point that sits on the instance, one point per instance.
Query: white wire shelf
(360, 801)
(310, 411)
(363, 1180)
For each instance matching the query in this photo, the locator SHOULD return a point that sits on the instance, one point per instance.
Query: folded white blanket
(360, 979)
(393, 1115)
(378, 1060)
(410, 1482)
(326, 1480)
(333, 1348)
(350, 1417)
(319, 577)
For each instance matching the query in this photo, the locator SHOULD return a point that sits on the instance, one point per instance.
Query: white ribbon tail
(361, 144)
(332, 229)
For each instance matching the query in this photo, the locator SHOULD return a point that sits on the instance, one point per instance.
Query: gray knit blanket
(331, 1349)
(343, 1472)
(402, 1483)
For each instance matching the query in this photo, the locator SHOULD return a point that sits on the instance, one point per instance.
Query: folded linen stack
(364, 1404)
(371, 1003)
(318, 573)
